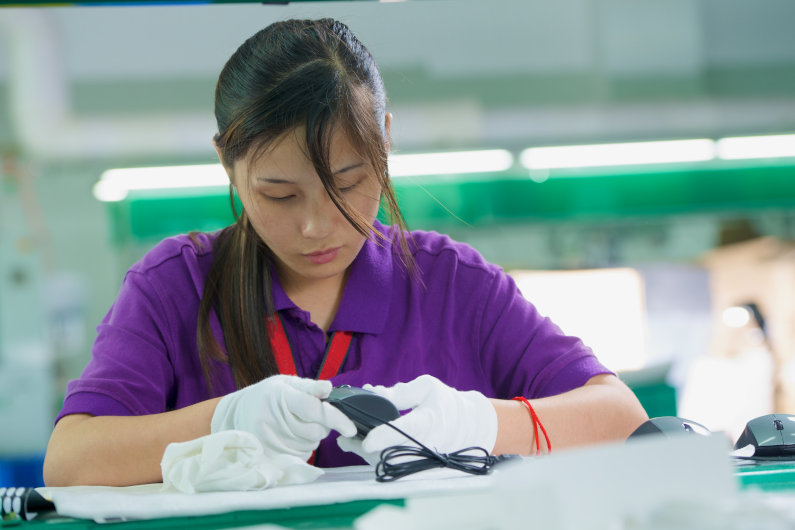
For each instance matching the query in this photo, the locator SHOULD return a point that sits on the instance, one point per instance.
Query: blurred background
(674, 260)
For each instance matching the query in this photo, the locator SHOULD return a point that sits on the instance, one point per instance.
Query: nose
(320, 217)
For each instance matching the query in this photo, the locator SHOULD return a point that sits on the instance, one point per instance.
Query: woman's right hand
(285, 412)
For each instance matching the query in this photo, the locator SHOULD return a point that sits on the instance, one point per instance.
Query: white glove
(442, 418)
(285, 413)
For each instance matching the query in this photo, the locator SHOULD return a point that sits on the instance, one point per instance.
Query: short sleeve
(129, 372)
(525, 353)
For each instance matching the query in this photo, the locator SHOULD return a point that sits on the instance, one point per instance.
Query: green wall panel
(482, 200)
(600, 197)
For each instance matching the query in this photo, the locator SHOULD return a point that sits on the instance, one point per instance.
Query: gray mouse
(366, 409)
(669, 426)
(771, 435)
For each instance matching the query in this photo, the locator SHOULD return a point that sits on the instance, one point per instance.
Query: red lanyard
(336, 351)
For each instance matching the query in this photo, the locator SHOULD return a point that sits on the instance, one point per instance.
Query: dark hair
(296, 73)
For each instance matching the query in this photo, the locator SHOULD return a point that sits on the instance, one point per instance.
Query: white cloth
(442, 418)
(285, 413)
(230, 461)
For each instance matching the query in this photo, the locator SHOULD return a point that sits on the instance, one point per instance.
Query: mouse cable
(393, 464)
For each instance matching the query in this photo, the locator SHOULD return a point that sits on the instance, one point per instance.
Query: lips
(323, 256)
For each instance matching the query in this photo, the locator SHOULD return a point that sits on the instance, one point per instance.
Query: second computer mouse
(771, 435)
(669, 426)
(366, 409)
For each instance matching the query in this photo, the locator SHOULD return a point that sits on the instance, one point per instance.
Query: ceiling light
(116, 183)
(618, 154)
(450, 163)
(738, 147)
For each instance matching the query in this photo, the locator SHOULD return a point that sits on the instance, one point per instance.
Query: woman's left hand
(442, 418)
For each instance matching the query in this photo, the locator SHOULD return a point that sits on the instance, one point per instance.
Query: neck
(320, 298)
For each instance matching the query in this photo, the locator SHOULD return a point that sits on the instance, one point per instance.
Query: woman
(203, 323)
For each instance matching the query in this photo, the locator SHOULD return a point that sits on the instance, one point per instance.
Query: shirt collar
(280, 298)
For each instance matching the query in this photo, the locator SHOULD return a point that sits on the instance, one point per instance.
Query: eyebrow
(277, 180)
(274, 180)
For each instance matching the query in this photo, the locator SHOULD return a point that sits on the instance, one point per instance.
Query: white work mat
(612, 484)
(337, 485)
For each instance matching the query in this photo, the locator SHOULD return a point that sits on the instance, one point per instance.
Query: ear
(221, 159)
(388, 129)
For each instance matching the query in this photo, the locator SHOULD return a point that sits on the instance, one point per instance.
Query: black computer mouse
(771, 435)
(669, 426)
(366, 409)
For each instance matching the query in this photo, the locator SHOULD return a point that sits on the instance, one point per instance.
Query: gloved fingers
(336, 420)
(308, 413)
(317, 388)
(350, 444)
(354, 445)
(389, 392)
(304, 435)
(299, 404)
(410, 395)
(418, 423)
(319, 427)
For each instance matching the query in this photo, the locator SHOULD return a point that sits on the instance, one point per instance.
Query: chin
(323, 272)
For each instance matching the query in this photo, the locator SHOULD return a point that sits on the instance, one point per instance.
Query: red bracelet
(536, 424)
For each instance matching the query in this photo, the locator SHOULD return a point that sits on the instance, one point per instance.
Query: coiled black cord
(394, 464)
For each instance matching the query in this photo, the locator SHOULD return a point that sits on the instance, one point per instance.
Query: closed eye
(344, 189)
(279, 199)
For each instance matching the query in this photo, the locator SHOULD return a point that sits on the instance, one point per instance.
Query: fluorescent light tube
(450, 163)
(116, 183)
(774, 146)
(618, 154)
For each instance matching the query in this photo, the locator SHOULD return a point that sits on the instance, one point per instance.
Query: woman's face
(293, 214)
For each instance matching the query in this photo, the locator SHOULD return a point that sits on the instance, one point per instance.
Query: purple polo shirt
(460, 319)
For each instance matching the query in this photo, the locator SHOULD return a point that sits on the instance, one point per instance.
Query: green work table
(330, 517)
(768, 476)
